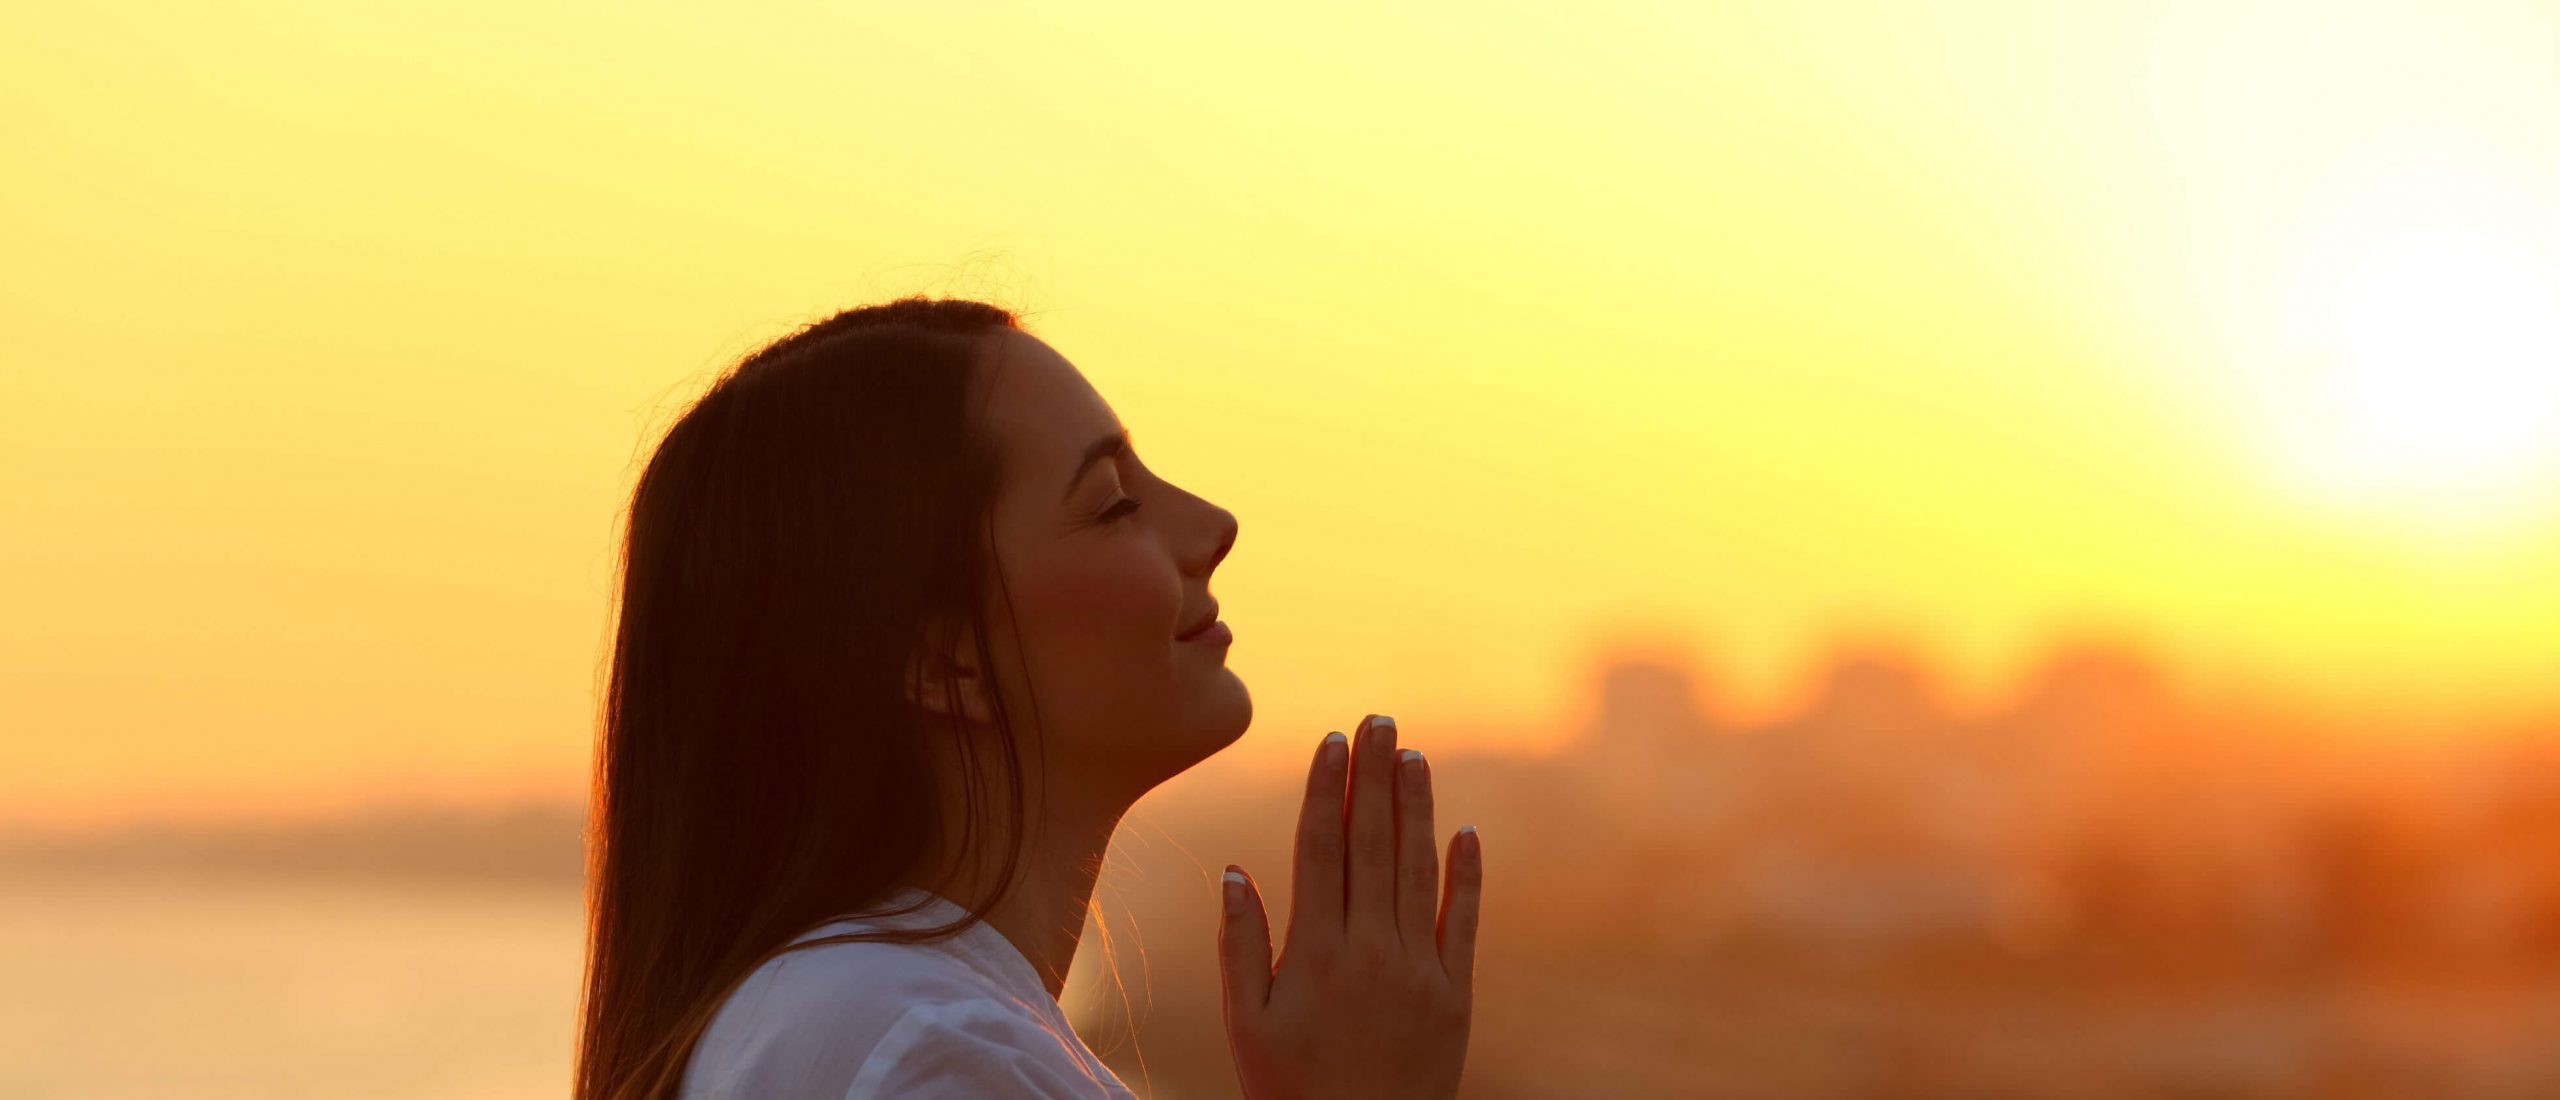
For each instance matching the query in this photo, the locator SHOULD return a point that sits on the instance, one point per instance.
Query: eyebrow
(1105, 447)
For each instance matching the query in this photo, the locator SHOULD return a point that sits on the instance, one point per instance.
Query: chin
(1216, 721)
(1234, 719)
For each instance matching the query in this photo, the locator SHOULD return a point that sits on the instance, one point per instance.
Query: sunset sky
(336, 334)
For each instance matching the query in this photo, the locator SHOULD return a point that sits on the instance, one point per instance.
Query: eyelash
(1116, 512)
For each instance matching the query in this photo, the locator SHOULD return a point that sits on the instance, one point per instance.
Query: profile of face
(1104, 564)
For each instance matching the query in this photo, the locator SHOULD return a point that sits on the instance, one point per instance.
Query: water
(161, 984)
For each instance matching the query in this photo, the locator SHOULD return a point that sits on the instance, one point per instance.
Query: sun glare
(2372, 209)
(2433, 374)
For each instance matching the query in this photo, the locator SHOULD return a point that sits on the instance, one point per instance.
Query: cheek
(1102, 604)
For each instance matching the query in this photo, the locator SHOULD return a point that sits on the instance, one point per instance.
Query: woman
(827, 859)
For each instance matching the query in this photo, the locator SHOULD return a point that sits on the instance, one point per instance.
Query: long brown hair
(760, 768)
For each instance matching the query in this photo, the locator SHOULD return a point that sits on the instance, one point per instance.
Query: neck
(1043, 911)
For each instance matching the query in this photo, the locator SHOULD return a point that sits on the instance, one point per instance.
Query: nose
(1226, 538)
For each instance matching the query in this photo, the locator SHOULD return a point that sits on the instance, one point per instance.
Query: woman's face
(1103, 564)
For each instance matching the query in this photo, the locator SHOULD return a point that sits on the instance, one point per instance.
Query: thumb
(1244, 948)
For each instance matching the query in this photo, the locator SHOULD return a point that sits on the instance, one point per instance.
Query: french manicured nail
(1335, 749)
(1475, 844)
(1383, 726)
(1235, 890)
(1412, 763)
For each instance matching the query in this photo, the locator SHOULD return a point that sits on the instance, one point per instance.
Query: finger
(1315, 887)
(1244, 942)
(1369, 828)
(1461, 896)
(1417, 853)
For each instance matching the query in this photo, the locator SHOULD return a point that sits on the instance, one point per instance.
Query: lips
(1201, 624)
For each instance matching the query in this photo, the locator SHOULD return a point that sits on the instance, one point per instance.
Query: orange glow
(337, 333)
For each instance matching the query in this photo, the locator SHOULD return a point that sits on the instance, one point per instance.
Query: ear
(943, 666)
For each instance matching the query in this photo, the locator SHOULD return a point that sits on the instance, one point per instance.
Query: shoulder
(811, 1015)
(864, 977)
(850, 990)
(842, 1020)
(974, 1049)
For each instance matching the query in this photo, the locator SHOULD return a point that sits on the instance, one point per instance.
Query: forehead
(1041, 411)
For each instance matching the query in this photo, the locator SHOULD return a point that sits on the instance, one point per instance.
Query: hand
(1376, 985)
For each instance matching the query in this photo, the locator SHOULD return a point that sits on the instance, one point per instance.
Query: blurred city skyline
(1654, 681)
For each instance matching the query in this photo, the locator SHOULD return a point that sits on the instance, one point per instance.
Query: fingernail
(1412, 762)
(1235, 890)
(1335, 748)
(1475, 844)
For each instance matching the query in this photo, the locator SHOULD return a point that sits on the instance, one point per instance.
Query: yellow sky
(336, 332)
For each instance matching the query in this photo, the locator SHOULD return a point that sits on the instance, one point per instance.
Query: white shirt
(966, 1017)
